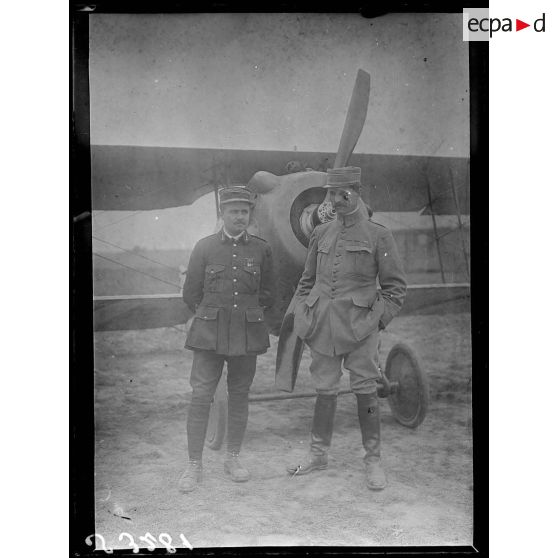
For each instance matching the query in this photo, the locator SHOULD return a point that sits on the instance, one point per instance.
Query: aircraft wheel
(409, 399)
(217, 425)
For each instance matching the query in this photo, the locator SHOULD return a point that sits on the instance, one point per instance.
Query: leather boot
(235, 469)
(369, 419)
(191, 477)
(320, 437)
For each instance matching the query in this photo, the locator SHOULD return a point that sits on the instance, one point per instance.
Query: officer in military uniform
(228, 285)
(339, 312)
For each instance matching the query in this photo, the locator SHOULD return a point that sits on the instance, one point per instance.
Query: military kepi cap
(342, 176)
(235, 194)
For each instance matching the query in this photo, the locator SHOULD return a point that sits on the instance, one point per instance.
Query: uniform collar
(360, 214)
(225, 237)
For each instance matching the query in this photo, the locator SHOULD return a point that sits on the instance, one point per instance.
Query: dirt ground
(141, 400)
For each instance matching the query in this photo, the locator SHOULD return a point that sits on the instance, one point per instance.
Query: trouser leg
(240, 375)
(206, 372)
(363, 365)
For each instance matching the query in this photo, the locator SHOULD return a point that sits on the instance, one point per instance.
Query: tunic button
(234, 267)
(235, 305)
(234, 280)
(235, 294)
(234, 255)
(234, 245)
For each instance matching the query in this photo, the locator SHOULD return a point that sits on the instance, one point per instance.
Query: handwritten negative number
(166, 541)
(131, 541)
(103, 543)
(164, 538)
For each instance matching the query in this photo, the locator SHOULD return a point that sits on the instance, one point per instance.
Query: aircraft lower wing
(152, 311)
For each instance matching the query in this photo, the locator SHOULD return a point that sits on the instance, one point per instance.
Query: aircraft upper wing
(144, 178)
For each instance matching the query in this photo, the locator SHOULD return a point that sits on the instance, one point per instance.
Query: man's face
(344, 200)
(236, 216)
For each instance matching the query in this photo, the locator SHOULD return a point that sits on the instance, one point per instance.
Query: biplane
(290, 202)
(287, 185)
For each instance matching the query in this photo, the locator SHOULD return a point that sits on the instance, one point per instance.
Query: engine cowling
(287, 208)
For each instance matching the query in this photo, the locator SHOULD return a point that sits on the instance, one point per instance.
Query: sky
(279, 81)
(177, 228)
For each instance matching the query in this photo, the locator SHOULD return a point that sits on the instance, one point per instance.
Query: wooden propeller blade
(356, 116)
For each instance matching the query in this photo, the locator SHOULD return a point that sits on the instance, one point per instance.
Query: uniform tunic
(337, 301)
(228, 284)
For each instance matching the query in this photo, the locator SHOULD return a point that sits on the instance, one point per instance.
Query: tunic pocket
(214, 274)
(251, 277)
(257, 337)
(203, 333)
(360, 259)
(362, 320)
